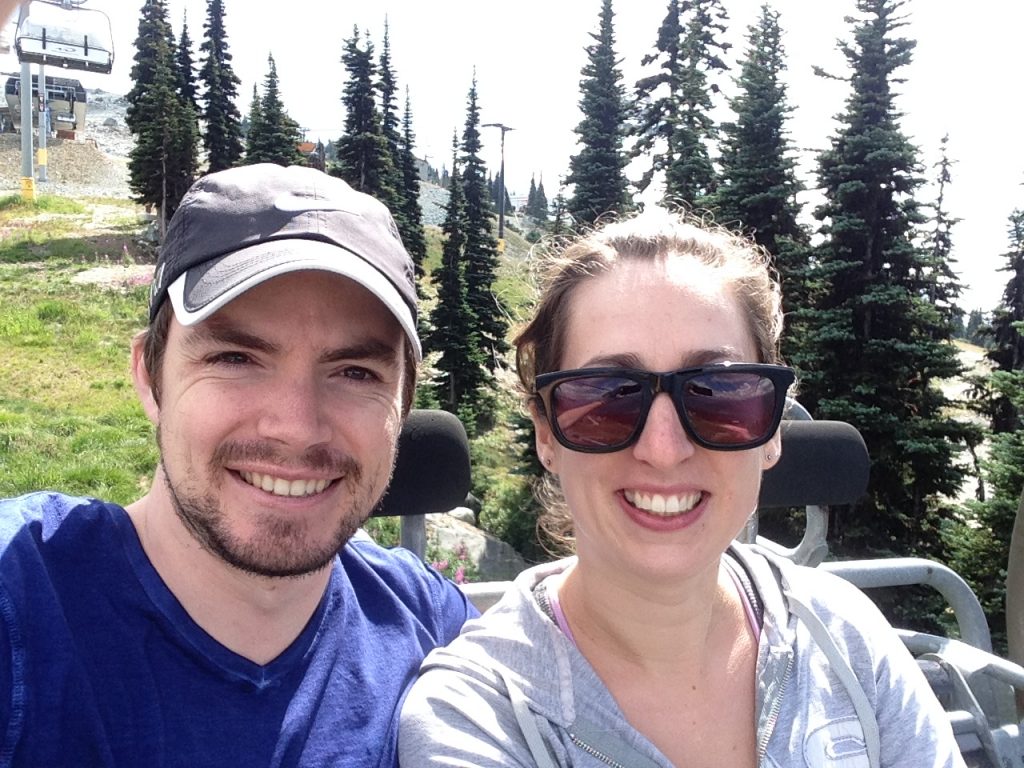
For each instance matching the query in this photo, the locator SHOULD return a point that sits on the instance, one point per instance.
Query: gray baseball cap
(237, 228)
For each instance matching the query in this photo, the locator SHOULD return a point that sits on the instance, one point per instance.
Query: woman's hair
(654, 235)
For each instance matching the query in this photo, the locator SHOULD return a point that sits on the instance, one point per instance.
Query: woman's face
(663, 507)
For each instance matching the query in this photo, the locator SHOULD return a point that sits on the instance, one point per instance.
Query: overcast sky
(528, 54)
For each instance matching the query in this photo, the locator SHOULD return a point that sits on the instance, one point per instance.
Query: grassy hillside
(73, 291)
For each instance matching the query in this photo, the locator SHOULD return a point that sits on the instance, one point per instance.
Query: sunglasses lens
(597, 411)
(729, 408)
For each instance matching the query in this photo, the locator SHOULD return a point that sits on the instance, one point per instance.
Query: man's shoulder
(42, 514)
(398, 576)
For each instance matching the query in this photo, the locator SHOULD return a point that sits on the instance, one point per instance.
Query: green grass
(69, 418)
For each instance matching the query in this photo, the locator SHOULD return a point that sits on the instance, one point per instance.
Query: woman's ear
(142, 381)
(545, 439)
(771, 451)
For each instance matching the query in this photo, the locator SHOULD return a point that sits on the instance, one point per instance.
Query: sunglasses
(725, 407)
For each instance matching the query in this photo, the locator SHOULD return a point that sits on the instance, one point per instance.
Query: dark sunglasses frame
(671, 383)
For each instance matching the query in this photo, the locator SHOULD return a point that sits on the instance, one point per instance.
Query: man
(212, 621)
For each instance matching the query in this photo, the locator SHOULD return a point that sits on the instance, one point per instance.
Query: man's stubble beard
(280, 548)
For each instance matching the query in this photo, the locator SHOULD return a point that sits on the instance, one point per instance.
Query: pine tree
(412, 214)
(758, 186)
(273, 135)
(253, 124)
(186, 68)
(981, 544)
(1006, 331)
(598, 172)
(937, 271)
(364, 160)
(481, 247)
(454, 335)
(674, 127)
(223, 136)
(540, 208)
(387, 89)
(162, 164)
(879, 356)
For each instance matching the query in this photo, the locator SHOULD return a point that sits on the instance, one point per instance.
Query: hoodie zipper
(773, 715)
(594, 753)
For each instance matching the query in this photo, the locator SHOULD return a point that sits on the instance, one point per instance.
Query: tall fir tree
(598, 171)
(162, 164)
(453, 333)
(364, 159)
(273, 135)
(879, 357)
(413, 235)
(223, 122)
(540, 209)
(390, 124)
(981, 543)
(481, 246)
(187, 85)
(758, 185)
(674, 126)
(938, 274)
(1006, 331)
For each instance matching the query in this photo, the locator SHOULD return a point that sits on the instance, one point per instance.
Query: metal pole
(501, 202)
(44, 124)
(28, 183)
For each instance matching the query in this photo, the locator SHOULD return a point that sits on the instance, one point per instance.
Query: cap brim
(204, 289)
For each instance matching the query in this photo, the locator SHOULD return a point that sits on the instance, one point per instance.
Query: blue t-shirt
(100, 665)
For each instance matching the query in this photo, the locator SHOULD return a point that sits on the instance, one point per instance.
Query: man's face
(278, 420)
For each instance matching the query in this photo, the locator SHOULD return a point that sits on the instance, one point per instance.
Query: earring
(547, 461)
(768, 456)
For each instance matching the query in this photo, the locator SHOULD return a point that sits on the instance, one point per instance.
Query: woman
(654, 383)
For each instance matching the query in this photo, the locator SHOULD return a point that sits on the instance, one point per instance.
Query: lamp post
(501, 199)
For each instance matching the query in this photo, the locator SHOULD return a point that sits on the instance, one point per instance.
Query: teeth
(663, 506)
(281, 487)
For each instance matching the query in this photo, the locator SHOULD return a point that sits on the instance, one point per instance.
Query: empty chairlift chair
(71, 37)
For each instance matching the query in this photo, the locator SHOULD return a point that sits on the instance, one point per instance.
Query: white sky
(528, 54)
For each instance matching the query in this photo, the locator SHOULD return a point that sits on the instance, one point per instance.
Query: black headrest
(432, 469)
(823, 463)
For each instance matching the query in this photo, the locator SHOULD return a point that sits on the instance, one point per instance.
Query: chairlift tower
(61, 33)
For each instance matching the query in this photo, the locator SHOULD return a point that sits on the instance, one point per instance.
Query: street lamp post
(501, 199)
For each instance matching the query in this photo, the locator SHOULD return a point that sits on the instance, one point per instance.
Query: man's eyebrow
(367, 349)
(218, 332)
(694, 359)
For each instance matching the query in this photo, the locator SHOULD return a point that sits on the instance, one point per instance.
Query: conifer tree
(540, 209)
(674, 125)
(223, 135)
(273, 135)
(981, 544)
(186, 68)
(387, 89)
(757, 185)
(412, 214)
(253, 123)
(942, 285)
(453, 334)
(598, 171)
(879, 356)
(162, 164)
(481, 247)
(364, 160)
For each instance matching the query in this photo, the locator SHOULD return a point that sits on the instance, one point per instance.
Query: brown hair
(649, 236)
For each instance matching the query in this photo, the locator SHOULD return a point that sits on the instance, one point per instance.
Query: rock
(465, 514)
(110, 122)
(495, 560)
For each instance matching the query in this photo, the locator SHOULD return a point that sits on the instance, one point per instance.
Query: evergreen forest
(868, 273)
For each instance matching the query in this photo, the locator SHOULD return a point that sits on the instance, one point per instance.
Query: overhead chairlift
(65, 35)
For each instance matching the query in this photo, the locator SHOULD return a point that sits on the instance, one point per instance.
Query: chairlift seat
(69, 38)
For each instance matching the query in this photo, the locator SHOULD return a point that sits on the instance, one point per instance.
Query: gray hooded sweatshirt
(513, 690)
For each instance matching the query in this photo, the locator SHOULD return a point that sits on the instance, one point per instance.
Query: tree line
(870, 289)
